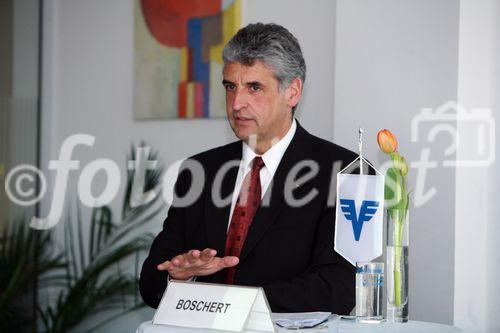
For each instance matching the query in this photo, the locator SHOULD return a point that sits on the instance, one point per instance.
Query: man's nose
(239, 99)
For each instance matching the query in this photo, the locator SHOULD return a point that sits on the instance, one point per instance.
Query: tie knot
(257, 163)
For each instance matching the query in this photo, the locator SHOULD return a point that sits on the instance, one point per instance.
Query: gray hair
(272, 44)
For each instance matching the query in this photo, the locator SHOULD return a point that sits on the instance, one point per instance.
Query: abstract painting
(178, 57)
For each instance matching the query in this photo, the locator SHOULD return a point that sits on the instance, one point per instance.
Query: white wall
(477, 245)
(492, 286)
(392, 59)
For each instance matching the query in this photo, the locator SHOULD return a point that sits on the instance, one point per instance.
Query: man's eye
(255, 88)
(230, 87)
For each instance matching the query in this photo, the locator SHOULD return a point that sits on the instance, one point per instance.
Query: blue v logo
(368, 209)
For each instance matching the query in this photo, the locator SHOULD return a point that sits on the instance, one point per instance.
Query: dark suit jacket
(288, 250)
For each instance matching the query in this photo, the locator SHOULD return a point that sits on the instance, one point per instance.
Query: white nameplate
(214, 306)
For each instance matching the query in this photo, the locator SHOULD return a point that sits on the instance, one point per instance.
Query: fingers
(182, 261)
(197, 263)
(208, 254)
(169, 264)
(192, 256)
(230, 261)
(179, 260)
(163, 266)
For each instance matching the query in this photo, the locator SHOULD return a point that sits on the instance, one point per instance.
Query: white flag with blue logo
(359, 216)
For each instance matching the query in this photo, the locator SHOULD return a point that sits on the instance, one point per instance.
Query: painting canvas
(178, 57)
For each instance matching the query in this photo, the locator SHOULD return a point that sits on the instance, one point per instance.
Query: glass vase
(397, 265)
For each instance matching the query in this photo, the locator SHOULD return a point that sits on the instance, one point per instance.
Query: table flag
(359, 215)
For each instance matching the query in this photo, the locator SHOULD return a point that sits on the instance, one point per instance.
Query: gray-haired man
(276, 229)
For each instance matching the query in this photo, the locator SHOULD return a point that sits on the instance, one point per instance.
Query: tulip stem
(397, 262)
(399, 217)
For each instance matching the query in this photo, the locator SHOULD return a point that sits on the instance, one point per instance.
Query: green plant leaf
(99, 283)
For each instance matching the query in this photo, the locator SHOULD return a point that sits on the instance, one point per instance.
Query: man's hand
(196, 263)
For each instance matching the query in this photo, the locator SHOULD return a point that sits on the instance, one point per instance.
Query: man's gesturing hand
(196, 263)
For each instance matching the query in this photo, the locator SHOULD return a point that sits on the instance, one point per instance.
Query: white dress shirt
(271, 158)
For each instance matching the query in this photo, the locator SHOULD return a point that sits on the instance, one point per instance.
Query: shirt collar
(272, 157)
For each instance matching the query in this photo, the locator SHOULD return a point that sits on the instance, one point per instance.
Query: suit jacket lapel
(274, 197)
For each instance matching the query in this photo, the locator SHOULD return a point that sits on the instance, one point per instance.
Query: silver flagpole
(360, 149)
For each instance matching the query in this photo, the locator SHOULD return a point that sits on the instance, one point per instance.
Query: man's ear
(294, 92)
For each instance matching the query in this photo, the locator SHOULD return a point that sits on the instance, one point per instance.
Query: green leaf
(98, 283)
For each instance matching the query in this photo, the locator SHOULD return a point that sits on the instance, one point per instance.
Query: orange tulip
(387, 141)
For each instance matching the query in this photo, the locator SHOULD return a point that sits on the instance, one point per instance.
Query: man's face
(254, 104)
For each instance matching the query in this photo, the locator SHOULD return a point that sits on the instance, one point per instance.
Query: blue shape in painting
(201, 69)
(368, 209)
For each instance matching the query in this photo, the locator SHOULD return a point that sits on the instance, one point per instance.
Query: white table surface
(335, 325)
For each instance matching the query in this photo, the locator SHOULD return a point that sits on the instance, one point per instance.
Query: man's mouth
(242, 119)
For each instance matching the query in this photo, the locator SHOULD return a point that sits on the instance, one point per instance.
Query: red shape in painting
(167, 19)
(182, 100)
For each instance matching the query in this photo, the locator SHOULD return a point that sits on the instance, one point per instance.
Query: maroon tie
(244, 211)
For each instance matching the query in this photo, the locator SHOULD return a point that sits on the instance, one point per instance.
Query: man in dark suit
(265, 215)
